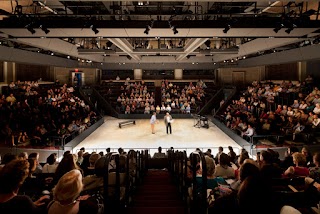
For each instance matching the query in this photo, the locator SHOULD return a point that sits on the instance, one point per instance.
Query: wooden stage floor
(184, 137)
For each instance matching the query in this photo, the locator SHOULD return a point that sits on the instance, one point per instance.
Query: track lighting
(227, 28)
(94, 29)
(44, 29)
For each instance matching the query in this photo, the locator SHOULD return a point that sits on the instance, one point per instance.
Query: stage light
(44, 29)
(279, 27)
(94, 29)
(288, 31)
(174, 29)
(208, 44)
(30, 29)
(227, 28)
(146, 31)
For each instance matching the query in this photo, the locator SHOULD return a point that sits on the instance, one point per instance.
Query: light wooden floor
(184, 137)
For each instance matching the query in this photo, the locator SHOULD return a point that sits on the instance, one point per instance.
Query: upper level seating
(38, 113)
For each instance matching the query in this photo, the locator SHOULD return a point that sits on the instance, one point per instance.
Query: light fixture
(148, 27)
(227, 28)
(174, 29)
(146, 31)
(208, 44)
(44, 29)
(30, 29)
(52, 53)
(68, 57)
(290, 28)
(279, 27)
(109, 44)
(94, 29)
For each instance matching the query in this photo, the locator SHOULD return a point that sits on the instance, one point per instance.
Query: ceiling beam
(58, 46)
(124, 45)
(192, 45)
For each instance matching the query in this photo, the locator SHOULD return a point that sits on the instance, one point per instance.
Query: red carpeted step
(157, 210)
(158, 203)
(156, 197)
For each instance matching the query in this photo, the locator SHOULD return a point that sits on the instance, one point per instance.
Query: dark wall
(26, 72)
(282, 72)
(1, 72)
(313, 68)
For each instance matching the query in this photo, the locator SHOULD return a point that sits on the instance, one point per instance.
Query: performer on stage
(153, 121)
(168, 120)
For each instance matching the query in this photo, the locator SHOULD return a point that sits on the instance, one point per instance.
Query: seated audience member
(159, 154)
(66, 194)
(306, 152)
(12, 176)
(299, 169)
(92, 161)
(248, 133)
(23, 156)
(67, 164)
(232, 155)
(220, 151)
(51, 165)
(248, 168)
(223, 169)
(315, 171)
(212, 181)
(35, 155)
(268, 168)
(288, 160)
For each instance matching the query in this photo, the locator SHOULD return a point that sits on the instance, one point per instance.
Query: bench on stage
(128, 122)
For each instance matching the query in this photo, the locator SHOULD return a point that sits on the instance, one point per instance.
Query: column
(302, 70)
(178, 74)
(137, 73)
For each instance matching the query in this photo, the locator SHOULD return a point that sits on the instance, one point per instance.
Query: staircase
(157, 195)
(158, 96)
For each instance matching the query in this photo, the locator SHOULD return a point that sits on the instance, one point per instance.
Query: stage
(184, 137)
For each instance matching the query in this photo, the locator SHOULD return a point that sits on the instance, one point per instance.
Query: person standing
(153, 121)
(168, 121)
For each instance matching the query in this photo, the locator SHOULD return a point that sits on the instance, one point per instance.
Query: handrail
(211, 102)
(234, 91)
(113, 112)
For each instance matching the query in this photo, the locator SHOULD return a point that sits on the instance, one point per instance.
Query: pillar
(137, 74)
(178, 74)
(302, 70)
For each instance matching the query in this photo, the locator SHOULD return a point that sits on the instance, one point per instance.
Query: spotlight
(208, 44)
(174, 29)
(227, 28)
(30, 29)
(288, 31)
(146, 31)
(94, 29)
(279, 27)
(109, 44)
(44, 29)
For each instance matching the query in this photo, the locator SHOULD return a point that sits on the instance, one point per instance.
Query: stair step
(157, 197)
(156, 210)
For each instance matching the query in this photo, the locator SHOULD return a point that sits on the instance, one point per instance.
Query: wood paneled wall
(282, 72)
(26, 72)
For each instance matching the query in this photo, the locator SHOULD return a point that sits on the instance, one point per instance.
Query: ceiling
(172, 33)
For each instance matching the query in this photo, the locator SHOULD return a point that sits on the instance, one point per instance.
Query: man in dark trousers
(168, 120)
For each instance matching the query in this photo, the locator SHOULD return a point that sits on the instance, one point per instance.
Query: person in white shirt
(315, 121)
(153, 121)
(168, 121)
(168, 108)
(316, 109)
(248, 133)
